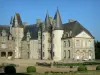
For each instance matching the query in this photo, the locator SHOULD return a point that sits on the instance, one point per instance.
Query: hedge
(31, 69)
(98, 67)
(75, 64)
(82, 68)
(9, 69)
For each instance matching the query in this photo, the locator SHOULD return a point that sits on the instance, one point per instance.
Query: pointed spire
(57, 19)
(11, 21)
(47, 20)
(17, 22)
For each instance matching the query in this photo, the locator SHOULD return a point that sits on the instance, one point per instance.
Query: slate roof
(33, 31)
(31, 28)
(58, 20)
(76, 28)
(17, 19)
(4, 27)
(47, 21)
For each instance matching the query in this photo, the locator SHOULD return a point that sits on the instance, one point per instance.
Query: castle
(47, 40)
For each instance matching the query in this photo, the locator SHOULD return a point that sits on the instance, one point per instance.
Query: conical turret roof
(58, 20)
(17, 22)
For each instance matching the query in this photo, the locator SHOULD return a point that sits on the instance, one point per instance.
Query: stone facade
(47, 40)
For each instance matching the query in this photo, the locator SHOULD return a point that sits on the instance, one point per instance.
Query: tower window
(52, 35)
(68, 43)
(64, 53)
(43, 37)
(64, 43)
(43, 54)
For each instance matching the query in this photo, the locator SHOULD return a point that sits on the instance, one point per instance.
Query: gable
(83, 34)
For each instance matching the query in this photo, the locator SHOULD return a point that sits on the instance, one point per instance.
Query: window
(77, 43)
(3, 45)
(84, 44)
(10, 53)
(43, 45)
(64, 53)
(28, 46)
(3, 39)
(77, 54)
(64, 43)
(67, 35)
(90, 54)
(53, 46)
(68, 43)
(3, 54)
(53, 54)
(43, 37)
(68, 53)
(28, 54)
(52, 35)
(89, 43)
(43, 54)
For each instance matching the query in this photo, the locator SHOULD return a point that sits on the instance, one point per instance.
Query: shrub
(98, 67)
(43, 64)
(82, 68)
(9, 69)
(31, 69)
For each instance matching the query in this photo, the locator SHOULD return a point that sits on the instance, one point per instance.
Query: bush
(98, 67)
(82, 68)
(43, 64)
(9, 70)
(31, 69)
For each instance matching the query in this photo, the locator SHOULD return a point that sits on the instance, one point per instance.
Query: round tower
(56, 36)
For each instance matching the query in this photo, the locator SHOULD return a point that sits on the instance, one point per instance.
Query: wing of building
(47, 40)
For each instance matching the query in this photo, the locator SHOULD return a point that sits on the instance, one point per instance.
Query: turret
(17, 22)
(57, 35)
(11, 23)
(47, 21)
(58, 22)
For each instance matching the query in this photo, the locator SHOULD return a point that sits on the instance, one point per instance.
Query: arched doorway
(3, 54)
(10, 53)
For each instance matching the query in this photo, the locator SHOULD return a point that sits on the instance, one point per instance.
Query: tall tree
(97, 49)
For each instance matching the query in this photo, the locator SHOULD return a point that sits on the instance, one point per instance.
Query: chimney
(50, 20)
(70, 20)
(38, 21)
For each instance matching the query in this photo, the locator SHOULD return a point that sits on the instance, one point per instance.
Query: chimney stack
(70, 20)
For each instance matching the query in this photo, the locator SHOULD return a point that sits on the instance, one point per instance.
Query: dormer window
(3, 33)
(70, 33)
(9, 37)
(28, 36)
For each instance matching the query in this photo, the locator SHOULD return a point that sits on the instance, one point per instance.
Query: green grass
(69, 73)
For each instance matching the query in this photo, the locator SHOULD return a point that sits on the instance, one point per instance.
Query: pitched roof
(4, 27)
(76, 28)
(33, 31)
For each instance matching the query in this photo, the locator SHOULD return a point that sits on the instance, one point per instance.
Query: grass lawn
(69, 73)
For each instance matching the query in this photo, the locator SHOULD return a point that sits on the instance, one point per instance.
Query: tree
(97, 49)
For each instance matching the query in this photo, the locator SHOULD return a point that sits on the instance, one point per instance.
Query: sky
(86, 12)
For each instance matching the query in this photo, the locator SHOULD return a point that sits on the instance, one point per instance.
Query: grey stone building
(47, 40)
